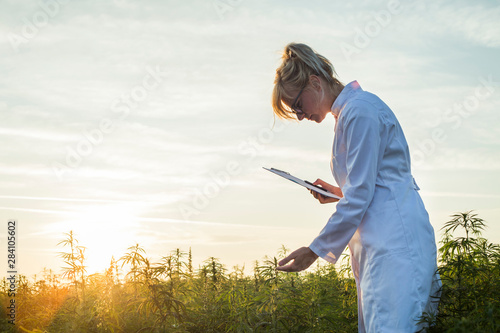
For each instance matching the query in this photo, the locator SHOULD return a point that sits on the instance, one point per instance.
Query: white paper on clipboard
(301, 182)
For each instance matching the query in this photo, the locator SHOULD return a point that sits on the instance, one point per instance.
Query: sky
(149, 122)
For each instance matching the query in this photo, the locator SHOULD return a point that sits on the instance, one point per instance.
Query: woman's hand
(330, 188)
(302, 259)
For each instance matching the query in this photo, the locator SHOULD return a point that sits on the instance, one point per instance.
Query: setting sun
(105, 231)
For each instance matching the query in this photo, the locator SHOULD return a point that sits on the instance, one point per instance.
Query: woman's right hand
(330, 188)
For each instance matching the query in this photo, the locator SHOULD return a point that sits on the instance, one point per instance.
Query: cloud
(456, 158)
(460, 195)
(35, 133)
(476, 22)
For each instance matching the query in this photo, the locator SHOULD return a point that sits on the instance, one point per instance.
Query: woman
(380, 215)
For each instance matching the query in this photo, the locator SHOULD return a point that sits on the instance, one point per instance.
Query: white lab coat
(381, 217)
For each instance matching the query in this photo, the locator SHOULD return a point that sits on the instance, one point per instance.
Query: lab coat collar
(341, 99)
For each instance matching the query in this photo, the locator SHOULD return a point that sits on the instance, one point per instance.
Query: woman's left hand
(302, 259)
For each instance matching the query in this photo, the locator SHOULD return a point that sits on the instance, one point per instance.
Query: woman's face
(313, 103)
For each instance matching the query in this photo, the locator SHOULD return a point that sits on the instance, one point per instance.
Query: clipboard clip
(280, 171)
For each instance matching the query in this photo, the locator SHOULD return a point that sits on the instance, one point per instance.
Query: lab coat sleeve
(362, 136)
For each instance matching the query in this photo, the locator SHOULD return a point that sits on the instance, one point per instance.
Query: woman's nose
(301, 116)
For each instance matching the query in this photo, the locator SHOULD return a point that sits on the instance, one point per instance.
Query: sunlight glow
(105, 231)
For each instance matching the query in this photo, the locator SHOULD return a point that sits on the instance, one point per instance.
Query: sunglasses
(294, 108)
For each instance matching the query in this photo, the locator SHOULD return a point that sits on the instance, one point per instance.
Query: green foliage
(172, 296)
(470, 273)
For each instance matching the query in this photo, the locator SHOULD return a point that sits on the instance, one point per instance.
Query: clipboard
(301, 182)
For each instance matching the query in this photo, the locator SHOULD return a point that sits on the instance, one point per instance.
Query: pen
(315, 185)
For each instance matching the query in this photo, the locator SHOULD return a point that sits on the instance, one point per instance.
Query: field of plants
(173, 296)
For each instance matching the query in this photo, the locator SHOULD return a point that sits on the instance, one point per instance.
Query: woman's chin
(317, 119)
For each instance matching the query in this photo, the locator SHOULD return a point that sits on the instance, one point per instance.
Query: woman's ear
(315, 81)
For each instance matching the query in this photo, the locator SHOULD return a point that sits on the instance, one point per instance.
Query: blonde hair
(299, 61)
